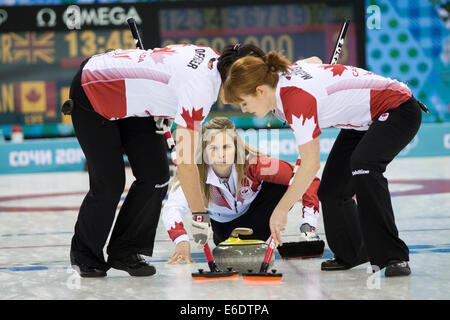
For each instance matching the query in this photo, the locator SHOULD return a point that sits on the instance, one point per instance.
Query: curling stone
(240, 255)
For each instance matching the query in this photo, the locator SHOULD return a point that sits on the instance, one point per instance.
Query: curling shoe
(308, 233)
(334, 264)
(135, 265)
(396, 268)
(86, 271)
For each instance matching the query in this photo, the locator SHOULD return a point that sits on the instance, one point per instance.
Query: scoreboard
(297, 30)
(40, 54)
(41, 48)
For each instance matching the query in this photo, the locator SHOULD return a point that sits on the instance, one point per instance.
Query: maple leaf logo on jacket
(193, 121)
(305, 129)
(158, 55)
(337, 69)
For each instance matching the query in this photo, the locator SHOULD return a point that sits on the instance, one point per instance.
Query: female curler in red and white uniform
(378, 117)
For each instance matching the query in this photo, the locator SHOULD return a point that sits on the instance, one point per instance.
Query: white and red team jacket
(312, 97)
(177, 82)
(226, 205)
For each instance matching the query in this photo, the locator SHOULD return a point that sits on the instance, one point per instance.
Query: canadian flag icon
(199, 218)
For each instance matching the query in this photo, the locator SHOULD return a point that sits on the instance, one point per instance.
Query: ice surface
(38, 213)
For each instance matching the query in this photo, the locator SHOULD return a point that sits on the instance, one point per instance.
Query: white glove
(201, 228)
(160, 123)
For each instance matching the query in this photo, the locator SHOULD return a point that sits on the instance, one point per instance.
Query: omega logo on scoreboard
(3, 16)
(46, 17)
(87, 16)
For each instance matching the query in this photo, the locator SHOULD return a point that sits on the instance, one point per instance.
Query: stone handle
(244, 231)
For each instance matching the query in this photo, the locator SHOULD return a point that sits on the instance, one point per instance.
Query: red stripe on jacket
(277, 171)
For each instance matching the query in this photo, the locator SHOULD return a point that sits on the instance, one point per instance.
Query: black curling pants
(364, 230)
(257, 216)
(104, 143)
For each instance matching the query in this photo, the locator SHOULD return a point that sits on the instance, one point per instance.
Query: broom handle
(340, 42)
(211, 263)
(268, 257)
(135, 33)
(140, 45)
(334, 59)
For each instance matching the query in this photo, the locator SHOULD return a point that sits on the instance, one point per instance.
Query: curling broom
(214, 272)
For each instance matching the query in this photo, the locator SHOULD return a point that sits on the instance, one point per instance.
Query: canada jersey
(312, 97)
(178, 82)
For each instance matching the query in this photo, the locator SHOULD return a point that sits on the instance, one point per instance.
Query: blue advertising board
(65, 154)
(431, 140)
(42, 155)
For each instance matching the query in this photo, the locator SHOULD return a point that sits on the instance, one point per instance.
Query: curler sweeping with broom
(378, 116)
(114, 99)
(240, 187)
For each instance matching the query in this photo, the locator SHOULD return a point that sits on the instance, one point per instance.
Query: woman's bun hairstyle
(233, 52)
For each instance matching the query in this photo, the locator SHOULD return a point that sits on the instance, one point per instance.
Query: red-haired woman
(378, 116)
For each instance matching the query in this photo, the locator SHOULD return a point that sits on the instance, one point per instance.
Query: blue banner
(65, 154)
(43, 155)
(431, 140)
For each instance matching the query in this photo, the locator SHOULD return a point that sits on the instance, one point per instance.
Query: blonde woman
(240, 188)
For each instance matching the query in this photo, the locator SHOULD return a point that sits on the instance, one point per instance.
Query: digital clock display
(89, 42)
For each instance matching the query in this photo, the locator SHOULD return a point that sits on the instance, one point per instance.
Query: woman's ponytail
(276, 62)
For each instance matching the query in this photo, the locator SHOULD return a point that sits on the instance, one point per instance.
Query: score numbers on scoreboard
(296, 30)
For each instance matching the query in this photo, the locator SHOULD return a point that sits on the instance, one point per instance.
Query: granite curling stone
(241, 255)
